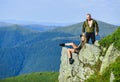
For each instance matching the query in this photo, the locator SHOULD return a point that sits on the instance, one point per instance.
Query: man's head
(88, 16)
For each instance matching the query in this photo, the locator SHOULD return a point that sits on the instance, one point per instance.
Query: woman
(75, 48)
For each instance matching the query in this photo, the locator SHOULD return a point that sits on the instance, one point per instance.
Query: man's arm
(97, 28)
(83, 28)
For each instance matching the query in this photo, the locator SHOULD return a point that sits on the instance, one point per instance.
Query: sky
(60, 11)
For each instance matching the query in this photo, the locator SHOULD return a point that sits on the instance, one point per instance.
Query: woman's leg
(70, 51)
(71, 44)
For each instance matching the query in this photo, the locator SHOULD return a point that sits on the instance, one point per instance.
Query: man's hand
(96, 33)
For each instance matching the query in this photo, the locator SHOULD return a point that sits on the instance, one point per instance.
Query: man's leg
(88, 37)
(93, 37)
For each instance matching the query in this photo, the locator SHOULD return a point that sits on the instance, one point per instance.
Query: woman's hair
(85, 40)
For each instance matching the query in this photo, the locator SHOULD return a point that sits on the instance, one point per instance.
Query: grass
(34, 77)
(105, 77)
(97, 66)
(113, 38)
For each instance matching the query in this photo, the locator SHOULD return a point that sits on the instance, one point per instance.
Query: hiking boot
(71, 61)
(63, 44)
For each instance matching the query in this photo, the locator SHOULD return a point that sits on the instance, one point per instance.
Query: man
(89, 27)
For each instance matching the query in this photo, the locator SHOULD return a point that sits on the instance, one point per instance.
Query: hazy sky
(61, 11)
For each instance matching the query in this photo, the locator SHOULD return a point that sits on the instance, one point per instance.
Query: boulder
(80, 70)
(110, 57)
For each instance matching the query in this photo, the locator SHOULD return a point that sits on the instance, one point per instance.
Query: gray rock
(112, 77)
(101, 58)
(97, 43)
(110, 57)
(80, 70)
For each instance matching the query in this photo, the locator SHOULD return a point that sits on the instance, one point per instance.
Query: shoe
(71, 61)
(81, 35)
(63, 44)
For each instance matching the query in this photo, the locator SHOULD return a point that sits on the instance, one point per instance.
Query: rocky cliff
(91, 60)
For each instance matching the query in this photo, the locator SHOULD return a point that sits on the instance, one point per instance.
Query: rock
(101, 58)
(80, 70)
(110, 57)
(112, 77)
(104, 49)
(97, 43)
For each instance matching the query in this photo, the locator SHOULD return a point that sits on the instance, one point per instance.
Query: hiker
(89, 27)
(75, 48)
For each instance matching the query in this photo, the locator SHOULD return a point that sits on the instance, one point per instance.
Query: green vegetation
(114, 67)
(23, 51)
(105, 77)
(113, 38)
(34, 77)
(97, 66)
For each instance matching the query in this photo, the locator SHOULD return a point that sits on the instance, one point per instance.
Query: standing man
(89, 27)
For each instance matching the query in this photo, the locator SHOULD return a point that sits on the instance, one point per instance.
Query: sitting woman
(75, 48)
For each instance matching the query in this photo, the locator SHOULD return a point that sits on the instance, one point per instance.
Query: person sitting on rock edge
(75, 48)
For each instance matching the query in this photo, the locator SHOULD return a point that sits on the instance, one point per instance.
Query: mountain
(15, 34)
(40, 28)
(26, 22)
(23, 50)
(3, 24)
(76, 29)
(36, 26)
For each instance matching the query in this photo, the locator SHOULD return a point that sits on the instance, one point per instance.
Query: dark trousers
(90, 35)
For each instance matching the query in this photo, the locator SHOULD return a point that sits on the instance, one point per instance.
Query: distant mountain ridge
(37, 27)
(25, 22)
(40, 28)
(23, 50)
(76, 29)
(3, 24)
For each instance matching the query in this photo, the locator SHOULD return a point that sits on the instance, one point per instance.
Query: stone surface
(112, 77)
(80, 70)
(110, 57)
(97, 43)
